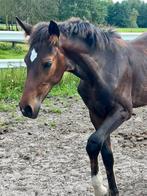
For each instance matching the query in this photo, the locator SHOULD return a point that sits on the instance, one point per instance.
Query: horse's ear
(53, 29)
(26, 27)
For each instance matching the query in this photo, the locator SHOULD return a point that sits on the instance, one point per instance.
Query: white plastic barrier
(12, 36)
(11, 63)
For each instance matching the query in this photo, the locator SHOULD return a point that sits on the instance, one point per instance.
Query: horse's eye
(47, 64)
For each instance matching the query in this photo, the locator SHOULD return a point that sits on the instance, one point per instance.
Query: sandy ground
(47, 156)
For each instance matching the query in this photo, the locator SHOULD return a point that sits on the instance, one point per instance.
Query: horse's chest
(92, 100)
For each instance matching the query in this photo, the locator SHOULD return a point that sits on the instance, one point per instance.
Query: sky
(122, 0)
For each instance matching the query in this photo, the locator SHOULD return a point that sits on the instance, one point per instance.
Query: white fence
(11, 63)
(15, 36)
(129, 36)
(12, 36)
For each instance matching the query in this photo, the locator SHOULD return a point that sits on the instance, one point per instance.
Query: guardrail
(18, 36)
(129, 36)
(11, 63)
(12, 36)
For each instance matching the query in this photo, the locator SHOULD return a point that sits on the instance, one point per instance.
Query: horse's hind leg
(108, 160)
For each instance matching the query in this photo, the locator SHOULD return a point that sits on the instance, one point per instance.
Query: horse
(113, 80)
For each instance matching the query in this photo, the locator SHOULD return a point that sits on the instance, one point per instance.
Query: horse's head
(45, 65)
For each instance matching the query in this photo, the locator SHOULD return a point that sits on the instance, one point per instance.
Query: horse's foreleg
(96, 141)
(108, 161)
(97, 180)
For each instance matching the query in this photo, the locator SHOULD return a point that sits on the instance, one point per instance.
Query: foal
(113, 76)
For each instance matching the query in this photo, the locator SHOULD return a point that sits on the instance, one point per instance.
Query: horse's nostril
(27, 111)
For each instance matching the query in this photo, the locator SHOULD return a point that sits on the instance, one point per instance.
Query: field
(47, 156)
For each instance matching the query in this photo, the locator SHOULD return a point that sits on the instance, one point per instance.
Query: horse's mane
(93, 36)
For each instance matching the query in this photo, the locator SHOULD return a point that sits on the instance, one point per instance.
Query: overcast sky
(122, 0)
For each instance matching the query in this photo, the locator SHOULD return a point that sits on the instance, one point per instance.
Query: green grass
(11, 83)
(67, 86)
(3, 27)
(7, 107)
(53, 124)
(136, 30)
(7, 52)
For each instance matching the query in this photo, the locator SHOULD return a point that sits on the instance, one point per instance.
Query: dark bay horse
(113, 76)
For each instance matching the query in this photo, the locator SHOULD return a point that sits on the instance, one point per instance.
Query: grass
(7, 52)
(129, 30)
(6, 107)
(52, 107)
(67, 86)
(53, 124)
(3, 27)
(11, 83)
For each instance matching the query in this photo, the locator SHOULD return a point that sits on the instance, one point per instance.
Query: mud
(47, 157)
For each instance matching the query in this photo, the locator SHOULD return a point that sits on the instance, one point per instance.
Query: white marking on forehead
(33, 55)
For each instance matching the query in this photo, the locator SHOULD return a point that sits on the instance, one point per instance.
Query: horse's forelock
(39, 33)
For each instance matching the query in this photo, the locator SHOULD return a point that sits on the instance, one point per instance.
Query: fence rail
(18, 36)
(11, 63)
(12, 36)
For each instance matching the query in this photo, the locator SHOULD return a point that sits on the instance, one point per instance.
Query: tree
(133, 18)
(98, 10)
(92, 10)
(119, 14)
(67, 9)
(142, 17)
(133, 3)
(122, 14)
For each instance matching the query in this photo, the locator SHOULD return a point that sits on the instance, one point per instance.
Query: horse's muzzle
(29, 112)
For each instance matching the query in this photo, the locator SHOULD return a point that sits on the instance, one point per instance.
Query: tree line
(128, 13)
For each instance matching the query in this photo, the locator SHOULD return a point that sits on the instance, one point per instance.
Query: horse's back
(138, 59)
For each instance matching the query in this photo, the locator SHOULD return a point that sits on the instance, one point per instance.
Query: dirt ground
(47, 156)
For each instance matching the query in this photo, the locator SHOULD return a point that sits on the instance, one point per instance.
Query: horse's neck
(84, 64)
(76, 54)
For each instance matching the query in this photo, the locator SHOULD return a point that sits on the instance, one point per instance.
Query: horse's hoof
(113, 193)
(102, 191)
